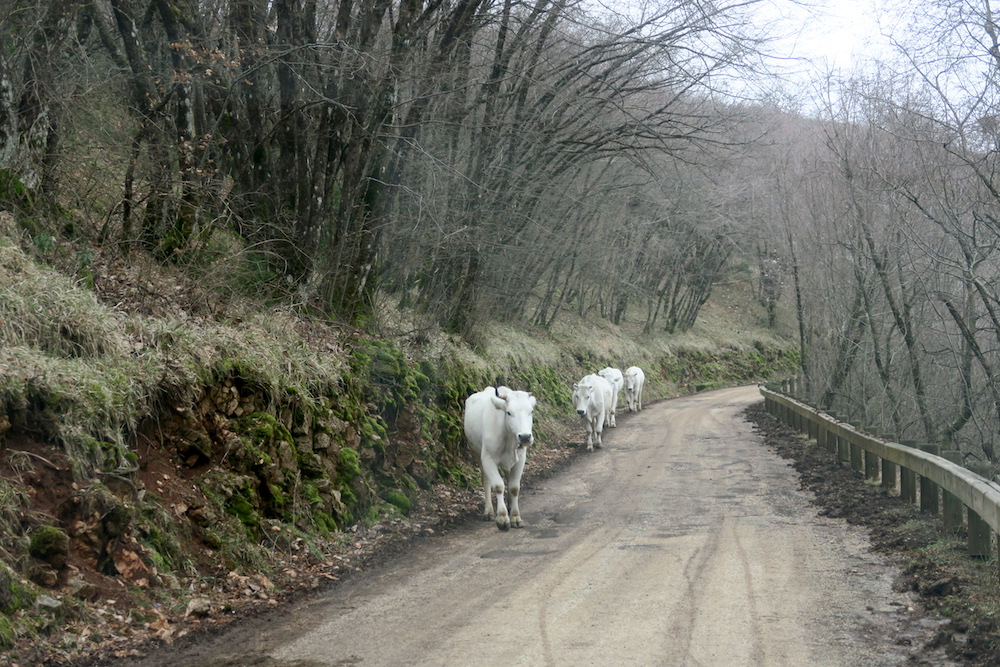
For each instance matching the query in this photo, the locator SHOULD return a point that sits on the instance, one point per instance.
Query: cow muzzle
(581, 412)
(524, 438)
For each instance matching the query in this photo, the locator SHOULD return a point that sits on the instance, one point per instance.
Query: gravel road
(682, 542)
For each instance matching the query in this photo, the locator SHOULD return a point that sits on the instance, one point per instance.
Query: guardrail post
(980, 539)
(951, 514)
(857, 461)
(831, 438)
(871, 466)
(888, 470)
(908, 479)
(929, 491)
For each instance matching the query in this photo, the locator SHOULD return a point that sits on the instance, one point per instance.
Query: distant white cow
(615, 379)
(498, 428)
(634, 379)
(591, 398)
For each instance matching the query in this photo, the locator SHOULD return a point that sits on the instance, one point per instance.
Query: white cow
(498, 429)
(615, 379)
(591, 398)
(634, 379)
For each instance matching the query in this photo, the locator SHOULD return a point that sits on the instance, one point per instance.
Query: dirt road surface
(682, 542)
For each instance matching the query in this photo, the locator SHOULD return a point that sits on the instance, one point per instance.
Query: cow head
(518, 407)
(582, 391)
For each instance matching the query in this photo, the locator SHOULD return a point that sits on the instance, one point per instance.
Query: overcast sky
(835, 34)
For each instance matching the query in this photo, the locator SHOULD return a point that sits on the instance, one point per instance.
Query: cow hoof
(517, 524)
(487, 517)
(503, 526)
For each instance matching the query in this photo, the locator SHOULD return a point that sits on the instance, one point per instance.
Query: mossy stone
(398, 500)
(50, 545)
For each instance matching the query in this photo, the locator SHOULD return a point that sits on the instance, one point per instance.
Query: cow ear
(533, 401)
(576, 385)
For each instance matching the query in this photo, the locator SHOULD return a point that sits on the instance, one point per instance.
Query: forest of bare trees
(890, 213)
(496, 159)
(469, 156)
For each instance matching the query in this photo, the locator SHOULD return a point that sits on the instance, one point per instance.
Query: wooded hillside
(472, 157)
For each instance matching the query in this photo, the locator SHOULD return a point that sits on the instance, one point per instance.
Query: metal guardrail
(879, 459)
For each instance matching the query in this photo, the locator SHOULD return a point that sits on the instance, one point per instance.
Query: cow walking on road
(591, 398)
(615, 379)
(498, 422)
(634, 380)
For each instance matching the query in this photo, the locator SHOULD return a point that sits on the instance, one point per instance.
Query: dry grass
(94, 372)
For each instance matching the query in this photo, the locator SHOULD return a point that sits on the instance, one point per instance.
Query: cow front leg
(590, 435)
(494, 482)
(598, 430)
(514, 487)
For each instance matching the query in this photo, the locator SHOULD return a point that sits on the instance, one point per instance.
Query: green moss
(47, 541)
(13, 595)
(278, 498)
(311, 494)
(263, 427)
(164, 548)
(390, 379)
(241, 507)
(7, 635)
(349, 465)
(398, 500)
(324, 522)
(12, 189)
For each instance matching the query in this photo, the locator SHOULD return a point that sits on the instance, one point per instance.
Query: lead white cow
(498, 428)
(591, 398)
(634, 379)
(615, 379)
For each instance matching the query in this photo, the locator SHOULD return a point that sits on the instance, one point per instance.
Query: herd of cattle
(498, 423)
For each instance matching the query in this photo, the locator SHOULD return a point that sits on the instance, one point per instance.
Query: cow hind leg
(488, 513)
